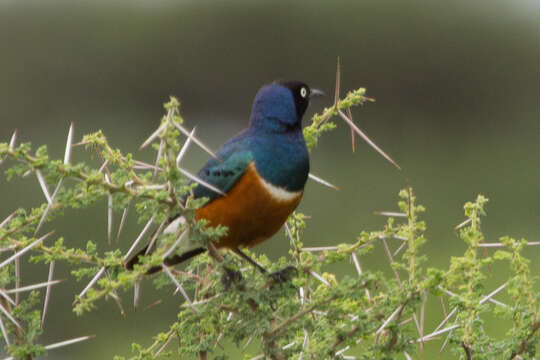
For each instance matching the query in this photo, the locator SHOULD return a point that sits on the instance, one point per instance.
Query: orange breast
(249, 210)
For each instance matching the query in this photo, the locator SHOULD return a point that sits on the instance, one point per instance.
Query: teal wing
(223, 173)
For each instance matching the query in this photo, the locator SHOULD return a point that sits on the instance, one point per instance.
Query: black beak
(315, 92)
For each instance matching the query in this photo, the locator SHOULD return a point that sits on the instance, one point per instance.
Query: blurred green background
(457, 87)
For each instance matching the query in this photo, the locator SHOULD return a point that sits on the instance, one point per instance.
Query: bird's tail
(170, 261)
(188, 249)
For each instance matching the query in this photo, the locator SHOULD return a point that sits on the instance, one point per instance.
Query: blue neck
(281, 158)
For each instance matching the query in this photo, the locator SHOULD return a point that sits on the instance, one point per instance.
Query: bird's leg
(250, 260)
(279, 276)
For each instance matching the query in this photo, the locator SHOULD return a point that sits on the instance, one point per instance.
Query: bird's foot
(283, 275)
(230, 277)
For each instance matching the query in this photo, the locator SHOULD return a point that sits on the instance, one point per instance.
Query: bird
(261, 172)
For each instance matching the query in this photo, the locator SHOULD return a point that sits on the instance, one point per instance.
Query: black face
(301, 93)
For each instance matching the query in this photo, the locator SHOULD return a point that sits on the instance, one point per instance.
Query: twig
(523, 345)
(467, 349)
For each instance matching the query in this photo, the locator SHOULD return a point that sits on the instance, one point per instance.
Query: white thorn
(320, 248)
(496, 245)
(445, 341)
(305, 344)
(43, 186)
(10, 317)
(445, 320)
(8, 219)
(153, 187)
(158, 157)
(289, 234)
(138, 239)
(359, 270)
(195, 140)
(247, 342)
(200, 181)
(340, 352)
(91, 283)
(34, 286)
(493, 293)
(13, 140)
(18, 278)
(109, 213)
(463, 224)
(47, 293)
(154, 135)
(136, 294)
(103, 166)
(157, 233)
(320, 278)
(43, 217)
(390, 214)
(4, 332)
(321, 181)
(366, 138)
(398, 250)
(390, 318)
(177, 284)
(122, 222)
(175, 245)
(68, 342)
(67, 154)
(23, 251)
(185, 147)
(435, 333)
(48, 208)
(5, 296)
(289, 345)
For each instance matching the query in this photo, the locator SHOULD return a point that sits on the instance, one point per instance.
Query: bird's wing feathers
(223, 173)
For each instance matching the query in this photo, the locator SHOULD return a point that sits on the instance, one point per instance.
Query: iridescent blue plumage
(273, 141)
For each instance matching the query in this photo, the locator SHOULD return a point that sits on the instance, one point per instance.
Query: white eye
(303, 92)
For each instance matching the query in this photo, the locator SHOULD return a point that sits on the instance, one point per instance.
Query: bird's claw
(230, 277)
(283, 275)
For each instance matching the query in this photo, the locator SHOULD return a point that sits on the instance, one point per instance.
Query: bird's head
(280, 106)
